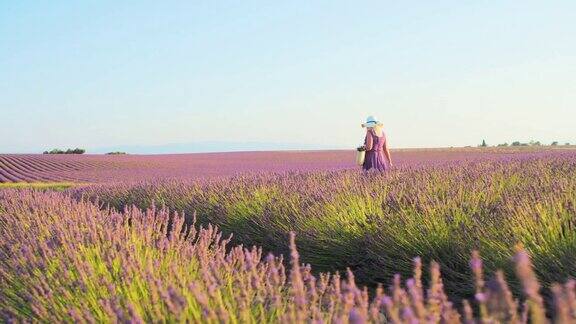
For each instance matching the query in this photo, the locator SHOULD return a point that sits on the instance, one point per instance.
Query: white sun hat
(371, 121)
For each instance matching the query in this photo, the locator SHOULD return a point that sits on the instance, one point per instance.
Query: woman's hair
(378, 129)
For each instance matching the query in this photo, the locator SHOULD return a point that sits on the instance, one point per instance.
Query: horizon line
(307, 150)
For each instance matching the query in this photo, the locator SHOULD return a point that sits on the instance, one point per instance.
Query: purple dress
(375, 147)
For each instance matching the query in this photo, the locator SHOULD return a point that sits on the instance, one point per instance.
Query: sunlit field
(448, 235)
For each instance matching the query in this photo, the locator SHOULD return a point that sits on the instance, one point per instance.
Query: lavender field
(458, 235)
(34, 168)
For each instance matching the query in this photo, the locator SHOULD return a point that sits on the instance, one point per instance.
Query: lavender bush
(64, 260)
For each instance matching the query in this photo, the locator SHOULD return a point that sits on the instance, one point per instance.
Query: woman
(377, 152)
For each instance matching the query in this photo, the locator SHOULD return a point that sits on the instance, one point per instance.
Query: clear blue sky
(437, 73)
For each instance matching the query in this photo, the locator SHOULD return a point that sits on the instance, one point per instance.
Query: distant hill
(211, 146)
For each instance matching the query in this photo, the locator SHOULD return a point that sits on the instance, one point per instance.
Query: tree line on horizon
(68, 151)
(518, 143)
(78, 151)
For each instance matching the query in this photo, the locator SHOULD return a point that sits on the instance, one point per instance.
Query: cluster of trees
(517, 143)
(78, 151)
(68, 151)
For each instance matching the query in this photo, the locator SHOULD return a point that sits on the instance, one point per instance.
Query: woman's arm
(368, 141)
(387, 153)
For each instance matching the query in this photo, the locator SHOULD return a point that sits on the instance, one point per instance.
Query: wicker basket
(360, 156)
